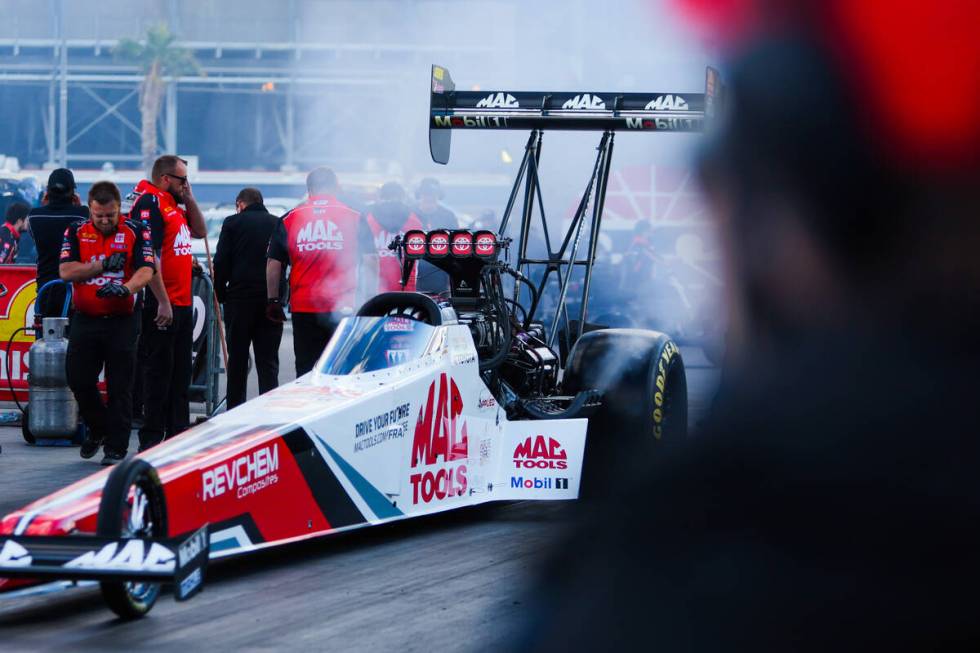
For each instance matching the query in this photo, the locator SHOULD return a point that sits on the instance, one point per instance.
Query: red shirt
(322, 239)
(170, 235)
(389, 267)
(84, 243)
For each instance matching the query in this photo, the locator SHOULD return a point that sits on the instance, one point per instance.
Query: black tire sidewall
(644, 405)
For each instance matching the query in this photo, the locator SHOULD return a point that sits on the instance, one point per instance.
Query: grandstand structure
(282, 85)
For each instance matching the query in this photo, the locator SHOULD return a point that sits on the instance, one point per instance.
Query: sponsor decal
(667, 103)
(585, 101)
(400, 324)
(132, 556)
(663, 124)
(192, 582)
(440, 446)
(498, 101)
(670, 350)
(105, 277)
(486, 400)
(390, 425)
(485, 122)
(640, 123)
(192, 547)
(14, 555)
(540, 452)
(534, 483)
(319, 235)
(182, 241)
(381, 242)
(120, 238)
(247, 474)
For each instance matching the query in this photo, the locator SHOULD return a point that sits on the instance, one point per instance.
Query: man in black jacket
(59, 208)
(239, 283)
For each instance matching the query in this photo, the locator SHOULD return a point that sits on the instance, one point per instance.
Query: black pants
(166, 374)
(246, 326)
(311, 331)
(92, 343)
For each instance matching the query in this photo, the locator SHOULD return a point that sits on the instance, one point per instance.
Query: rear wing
(571, 111)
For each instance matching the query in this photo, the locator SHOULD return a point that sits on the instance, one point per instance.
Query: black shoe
(89, 448)
(112, 457)
(147, 445)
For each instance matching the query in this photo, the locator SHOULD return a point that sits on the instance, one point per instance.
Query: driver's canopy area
(371, 343)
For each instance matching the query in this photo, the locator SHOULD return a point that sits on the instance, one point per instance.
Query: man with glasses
(168, 319)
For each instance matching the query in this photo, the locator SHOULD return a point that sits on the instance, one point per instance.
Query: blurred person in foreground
(831, 500)
(239, 284)
(60, 207)
(325, 243)
(14, 223)
(391, 216)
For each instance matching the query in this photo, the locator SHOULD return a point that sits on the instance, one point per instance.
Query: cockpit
(370, 343)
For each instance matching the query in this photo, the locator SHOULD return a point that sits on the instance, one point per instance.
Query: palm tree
(158, 59)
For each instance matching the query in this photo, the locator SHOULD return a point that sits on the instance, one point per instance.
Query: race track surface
(445, 583)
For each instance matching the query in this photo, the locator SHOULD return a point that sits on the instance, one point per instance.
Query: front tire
(644, 398)
(132, 505)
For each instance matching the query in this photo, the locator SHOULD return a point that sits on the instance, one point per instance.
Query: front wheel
(132, 505)
(644, 398)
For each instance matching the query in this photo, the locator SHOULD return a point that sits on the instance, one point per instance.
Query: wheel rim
(137, 518)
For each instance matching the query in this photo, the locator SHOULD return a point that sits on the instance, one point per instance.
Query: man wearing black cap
(11, 229)
(60, 207)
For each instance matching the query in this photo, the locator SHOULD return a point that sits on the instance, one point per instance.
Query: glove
(273, 310)
(114, 262)
(112, 290)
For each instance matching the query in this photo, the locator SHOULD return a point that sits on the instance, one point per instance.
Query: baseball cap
(61, 181)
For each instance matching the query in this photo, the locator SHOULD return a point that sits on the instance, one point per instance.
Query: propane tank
(53, 411)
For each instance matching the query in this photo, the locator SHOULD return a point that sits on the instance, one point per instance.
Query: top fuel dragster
(418, 404)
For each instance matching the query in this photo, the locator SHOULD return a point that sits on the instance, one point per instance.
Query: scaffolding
(88, 96)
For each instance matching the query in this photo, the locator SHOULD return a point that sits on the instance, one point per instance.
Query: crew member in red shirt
(390, 217)
(168, 316)
(323, 241)
(108, 261)
(14, 224)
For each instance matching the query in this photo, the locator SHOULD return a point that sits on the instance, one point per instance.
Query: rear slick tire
(132, 505)
(644, 399)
